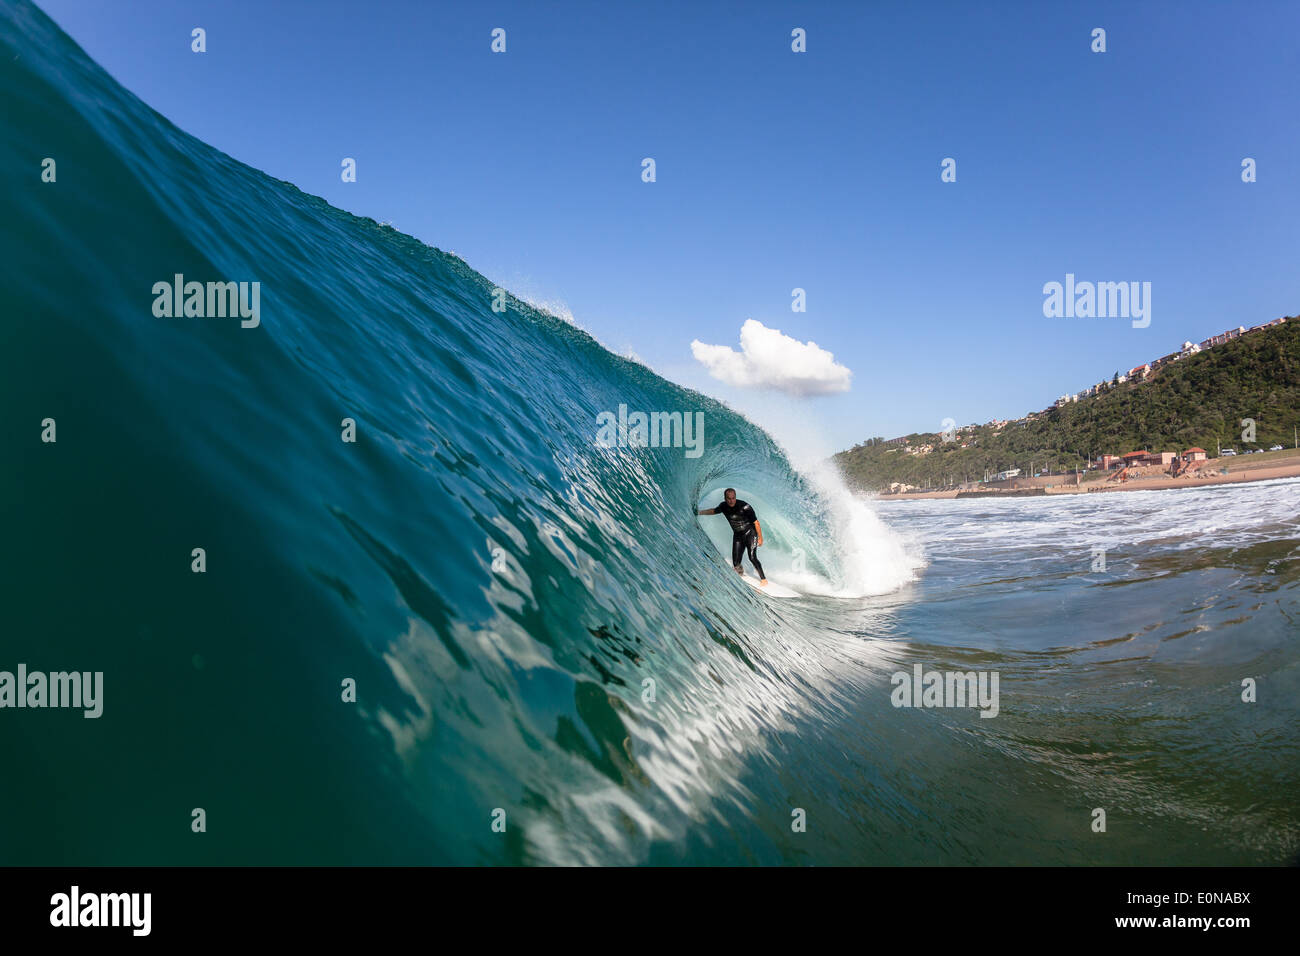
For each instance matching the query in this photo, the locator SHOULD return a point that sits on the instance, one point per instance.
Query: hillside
(1199, 400)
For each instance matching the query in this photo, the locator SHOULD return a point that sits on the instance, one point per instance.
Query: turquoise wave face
(534, 619)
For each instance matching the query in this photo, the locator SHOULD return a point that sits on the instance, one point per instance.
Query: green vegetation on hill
(1196, 401)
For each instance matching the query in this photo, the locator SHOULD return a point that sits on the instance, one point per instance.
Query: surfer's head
(729, 496)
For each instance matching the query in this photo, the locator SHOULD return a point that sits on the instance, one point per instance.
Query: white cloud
(770, 359)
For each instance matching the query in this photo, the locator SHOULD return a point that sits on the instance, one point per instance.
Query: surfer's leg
(737, 551)
(751, 544)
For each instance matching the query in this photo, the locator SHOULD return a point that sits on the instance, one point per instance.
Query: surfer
(746, 532)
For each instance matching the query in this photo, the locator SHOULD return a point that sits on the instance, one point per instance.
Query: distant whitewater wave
(1152, 521)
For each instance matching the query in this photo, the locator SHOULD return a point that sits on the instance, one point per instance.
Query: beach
(1228, 470)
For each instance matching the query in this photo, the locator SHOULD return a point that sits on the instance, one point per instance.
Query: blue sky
(778, 170)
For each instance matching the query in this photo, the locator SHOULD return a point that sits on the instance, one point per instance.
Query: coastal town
(1143, 372)
(1102, 469)
(1134, 471)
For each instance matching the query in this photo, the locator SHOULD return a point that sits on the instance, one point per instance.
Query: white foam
(867, 556)
(1174, 519)
(870, 557)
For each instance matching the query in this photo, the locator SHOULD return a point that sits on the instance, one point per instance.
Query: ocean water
(541, 633)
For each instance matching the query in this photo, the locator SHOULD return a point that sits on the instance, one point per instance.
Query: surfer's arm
(709, 511)
(759, 528)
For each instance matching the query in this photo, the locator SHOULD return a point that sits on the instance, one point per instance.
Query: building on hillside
(1222, 337)
(1266, 325)
(1140, 373)
(1163, 458)
(1136, 458)
(1194, 454)
(1109, 461)
(1189, 348)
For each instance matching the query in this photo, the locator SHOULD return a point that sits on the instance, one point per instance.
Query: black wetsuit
(744, 536)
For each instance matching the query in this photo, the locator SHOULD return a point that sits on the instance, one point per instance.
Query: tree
(1192, 402)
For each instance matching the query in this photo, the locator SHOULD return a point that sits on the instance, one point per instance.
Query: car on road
(1275, 448)
(1227, 453)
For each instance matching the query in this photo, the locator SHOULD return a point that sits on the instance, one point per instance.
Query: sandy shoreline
(1239, 471)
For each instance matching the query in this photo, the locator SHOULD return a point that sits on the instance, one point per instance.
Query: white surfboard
(772, 588)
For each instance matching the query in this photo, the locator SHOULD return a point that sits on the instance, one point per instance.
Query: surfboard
(773, 589)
